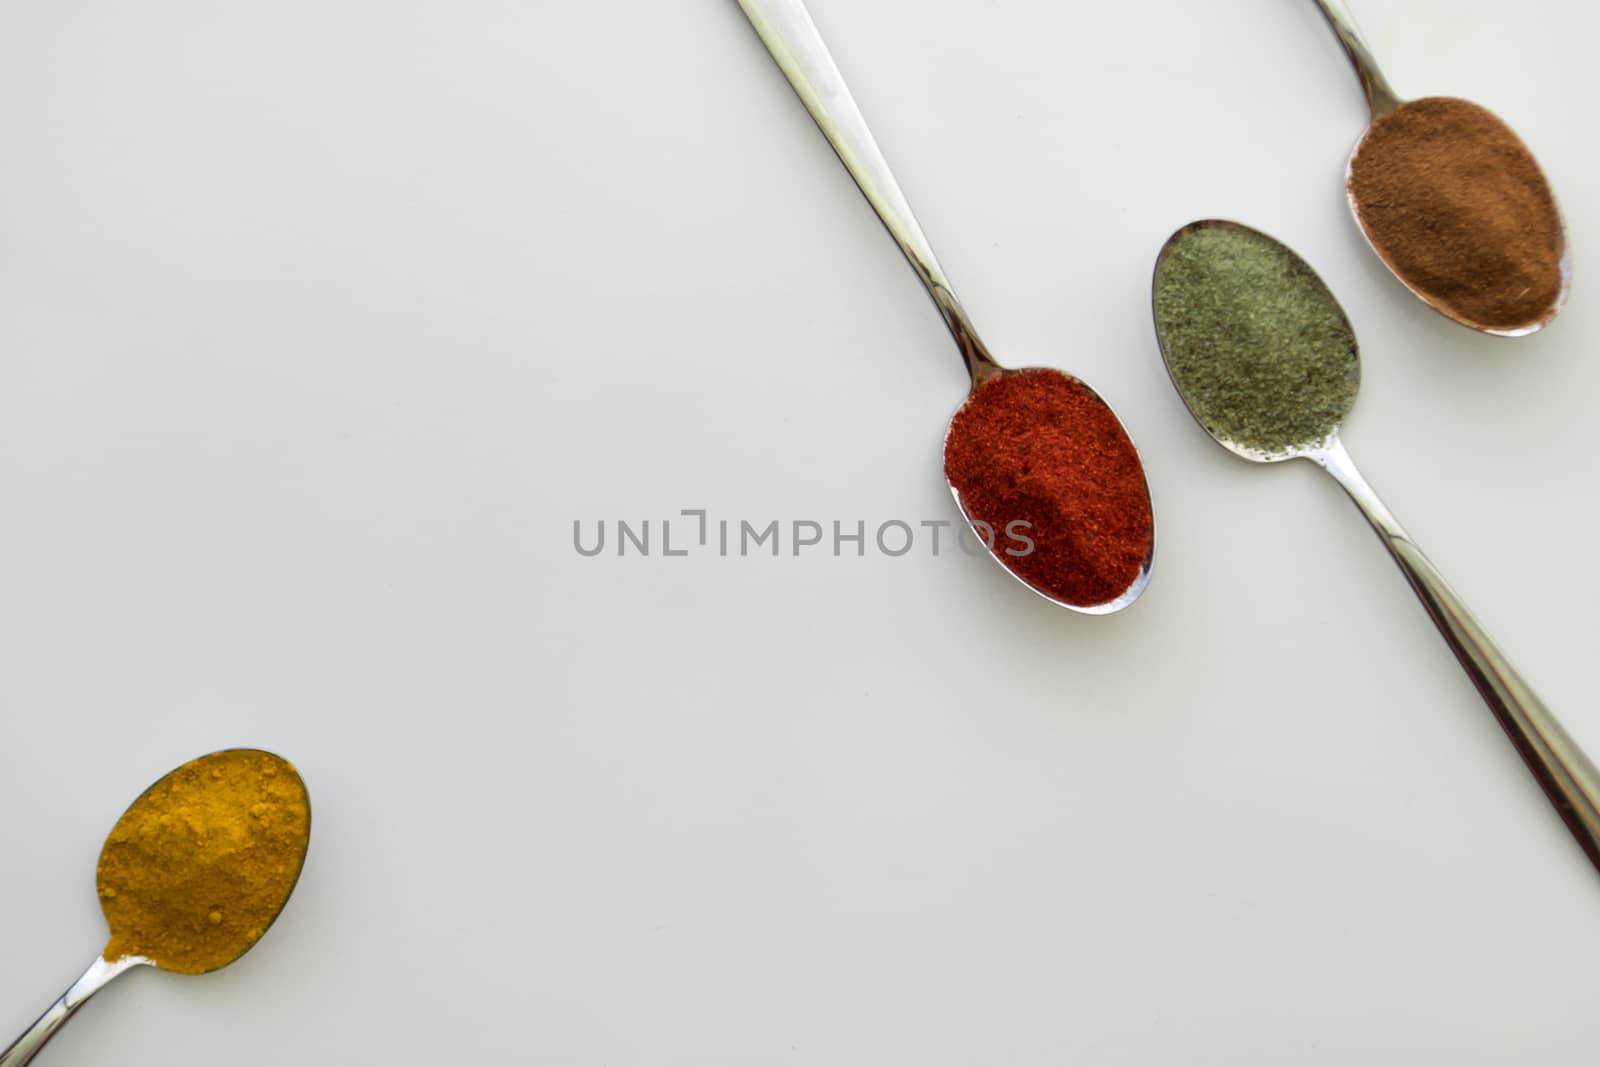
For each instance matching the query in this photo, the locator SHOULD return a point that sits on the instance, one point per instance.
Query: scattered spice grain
(1455, 202)
(1039, 447)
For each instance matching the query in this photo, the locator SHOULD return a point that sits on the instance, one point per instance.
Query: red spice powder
(1038, 447)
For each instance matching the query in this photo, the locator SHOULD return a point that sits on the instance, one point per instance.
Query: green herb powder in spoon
(1254, 340)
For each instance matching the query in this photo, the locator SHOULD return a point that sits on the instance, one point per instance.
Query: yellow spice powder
(201, 864)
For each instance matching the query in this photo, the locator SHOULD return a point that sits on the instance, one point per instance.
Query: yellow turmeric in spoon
(200, 865)
(192, 875)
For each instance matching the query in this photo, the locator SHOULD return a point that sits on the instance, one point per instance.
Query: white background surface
(320, 323)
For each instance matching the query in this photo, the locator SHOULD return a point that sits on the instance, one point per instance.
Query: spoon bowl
(1258, 451)
(1387, 108)
(1562, 769)
(190, 816)
(1017, 568)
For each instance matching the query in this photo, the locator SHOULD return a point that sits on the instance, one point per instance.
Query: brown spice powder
(1459, 207)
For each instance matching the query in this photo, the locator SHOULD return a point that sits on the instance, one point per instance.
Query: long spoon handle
(26, 1047)
(1381, 97)
(1567, 776)
(786, 28)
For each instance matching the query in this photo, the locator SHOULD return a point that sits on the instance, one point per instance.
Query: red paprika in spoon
(1037, 453)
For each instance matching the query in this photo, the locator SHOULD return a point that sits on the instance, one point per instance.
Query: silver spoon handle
(1567, 776)
(786, 28)
(1381, 97)
(26, 1047)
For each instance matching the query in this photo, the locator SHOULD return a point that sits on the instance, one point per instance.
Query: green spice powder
(1256, 344)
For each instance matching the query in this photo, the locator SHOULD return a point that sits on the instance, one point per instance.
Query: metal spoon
(102, 970)
(786, 28)
(1383, 101)
(1562, 769)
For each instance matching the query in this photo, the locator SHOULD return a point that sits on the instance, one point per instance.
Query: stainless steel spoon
(1383, 101)
(103, 970)
(1562, 769)
(786, 28)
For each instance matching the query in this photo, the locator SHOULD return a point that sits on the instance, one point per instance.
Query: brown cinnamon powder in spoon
(1457, 204)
